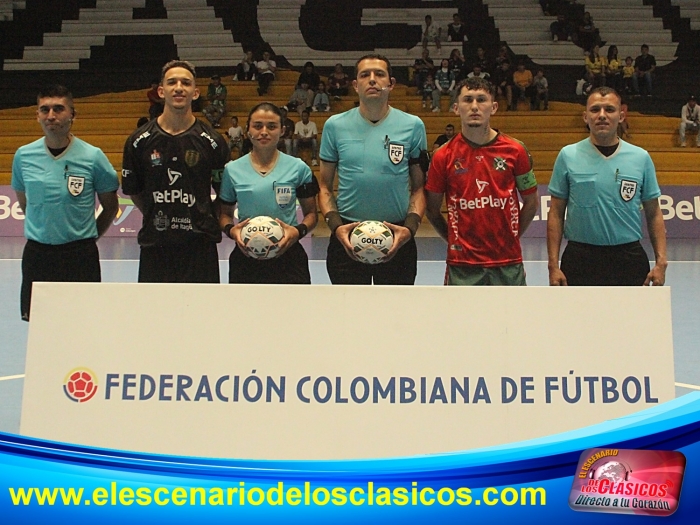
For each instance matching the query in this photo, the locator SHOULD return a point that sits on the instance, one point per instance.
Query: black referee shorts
(292, 267)
(591, 265)
(76, 262)
(194, 261)
(402, 269)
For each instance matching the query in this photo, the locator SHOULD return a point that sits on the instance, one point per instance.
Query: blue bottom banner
(645, 464)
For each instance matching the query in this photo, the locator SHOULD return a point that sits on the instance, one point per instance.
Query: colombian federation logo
(75, 185)
(80, 385)
(396, 153)
(618, 481)
(628, 189)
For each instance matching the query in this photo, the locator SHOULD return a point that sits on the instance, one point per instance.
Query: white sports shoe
(436, 109)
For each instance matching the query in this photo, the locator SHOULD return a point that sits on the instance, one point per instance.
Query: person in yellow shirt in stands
(613, 69)
(595, 68)
(627, 74)
(522, 85)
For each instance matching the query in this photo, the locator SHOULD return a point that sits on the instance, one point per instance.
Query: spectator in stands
(644, 66)
(287, 133)
(299, 99)
(321, 101)
(338, 83)
(306, 134)
(690, 120)
(456, 31)
(522, 84)
(482, 60)
(477, 72)
(266, 72)
(245, 70)
(503, 56)
(595, 67)
(445, 137)
(627, 76)
(427, 90)
(56, 179)
(587, 34)
(457, 64)
(561, 29)
(422, 67)
(156, 103)
(541, 91)
(235, 136)
(312, 79)
(613, 70)
(503, 81)
(431, 33)
(216, 95)
(444, 84)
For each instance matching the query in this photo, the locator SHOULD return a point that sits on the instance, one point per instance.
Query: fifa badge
(283, 195)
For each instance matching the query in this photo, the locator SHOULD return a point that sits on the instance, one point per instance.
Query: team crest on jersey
(156, 159)
(160, 221)
(459, 167)
(75, 185)
(395, 153)
(283, 195)
(628, 189)
(191, 157)
(499, 164)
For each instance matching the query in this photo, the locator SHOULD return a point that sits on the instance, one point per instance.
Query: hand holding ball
(261, 237)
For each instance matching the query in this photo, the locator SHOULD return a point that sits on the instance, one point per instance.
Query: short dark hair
(264, 106)
(476, 84)
(374, 56)
(178, 63)
(55, 91)
(450, 126)
(644, 46)
(603, 91)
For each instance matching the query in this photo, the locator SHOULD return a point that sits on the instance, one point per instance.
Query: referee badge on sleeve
(628, 189)
(75, 185)
(396, 153)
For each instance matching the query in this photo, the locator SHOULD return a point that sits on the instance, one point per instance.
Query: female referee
(268, 182)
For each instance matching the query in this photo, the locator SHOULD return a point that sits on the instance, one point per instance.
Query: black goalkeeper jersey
(174, 174)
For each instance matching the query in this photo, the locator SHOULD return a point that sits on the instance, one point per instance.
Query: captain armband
(310, 189)
(526, 181)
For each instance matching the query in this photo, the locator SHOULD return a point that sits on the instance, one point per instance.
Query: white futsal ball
(371, 241)
(261, 237)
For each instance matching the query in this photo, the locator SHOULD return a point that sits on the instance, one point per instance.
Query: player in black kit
(169, 168)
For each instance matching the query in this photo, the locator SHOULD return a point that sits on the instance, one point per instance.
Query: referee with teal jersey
(599, 187)
(268, 182)
(56, 179)
(380, 156)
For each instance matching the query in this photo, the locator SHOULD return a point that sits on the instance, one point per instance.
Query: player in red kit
(480, 173)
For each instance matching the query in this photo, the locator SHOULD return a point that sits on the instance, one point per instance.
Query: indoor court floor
(120, 264)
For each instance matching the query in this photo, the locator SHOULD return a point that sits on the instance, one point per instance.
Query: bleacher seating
(198, 33)
(689, 9)
(625, 23)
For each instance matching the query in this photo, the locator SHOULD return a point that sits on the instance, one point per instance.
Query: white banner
(321, 372)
